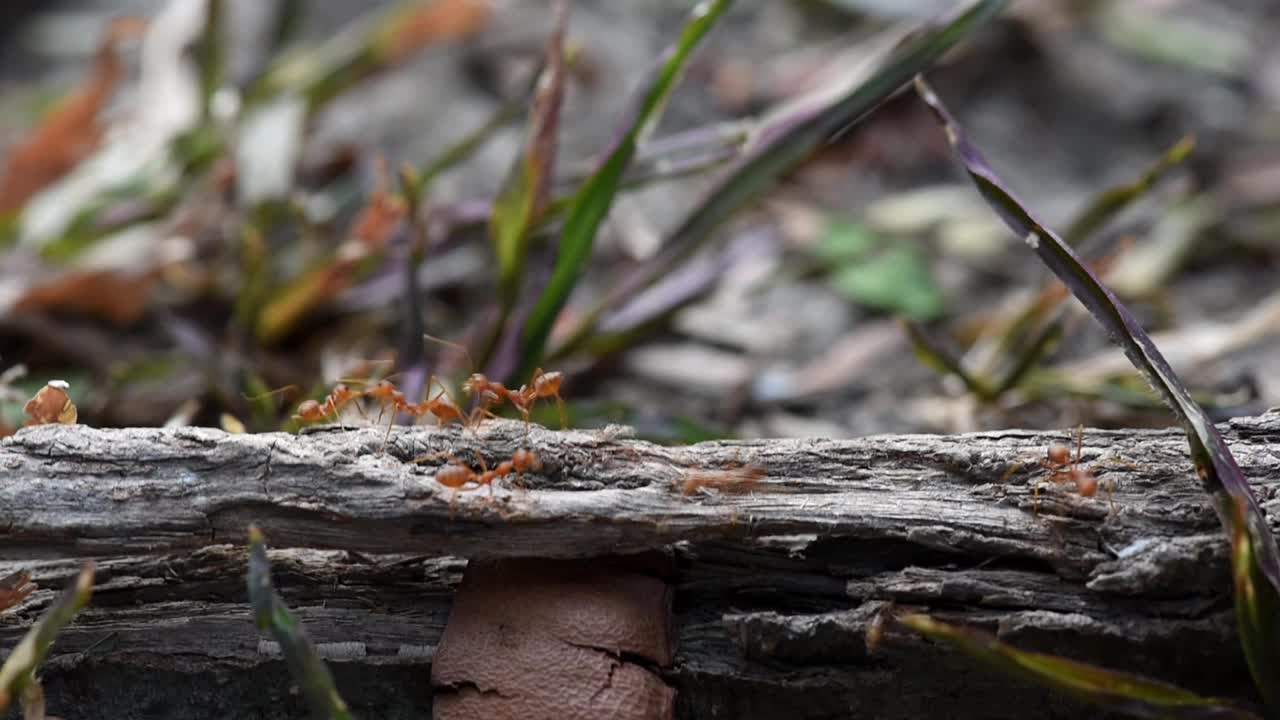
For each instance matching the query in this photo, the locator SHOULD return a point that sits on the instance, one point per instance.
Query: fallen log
(777, 574)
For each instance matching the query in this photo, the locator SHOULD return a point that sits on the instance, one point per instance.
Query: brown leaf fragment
(51, 405)
(118, 297)
(15, 588)
(435, 22)
(381, 214)
(71, 131)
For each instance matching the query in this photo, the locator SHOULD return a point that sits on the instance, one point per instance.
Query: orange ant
(1063, 468)
(457, 475)
(489, 392)
(313, 410)
(441, 406)
(737, 480)
(541, 385)
(446, 410)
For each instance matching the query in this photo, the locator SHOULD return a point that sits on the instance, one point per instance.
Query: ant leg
(360, 409)
(484, 477)
(524, 413)
(564, 424)
(1079, 442)
(387, 438)
(476, 417)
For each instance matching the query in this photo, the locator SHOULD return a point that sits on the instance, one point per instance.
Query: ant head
(526, 460)
(1059, 454)
(547, 383)
(1086, 483)
(477, 382)
(382, 390)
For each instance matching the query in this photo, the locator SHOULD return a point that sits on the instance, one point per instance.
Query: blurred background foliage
(205, 203)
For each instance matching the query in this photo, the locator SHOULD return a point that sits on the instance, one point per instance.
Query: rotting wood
(776, 586)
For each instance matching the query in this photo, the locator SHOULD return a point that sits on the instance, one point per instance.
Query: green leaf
(522, 201)
(1121, 691)
(305, 664)
(1219, 473)
(780, 146)
(20, 667)
(895, 279)
(845, 241)
(592, 202)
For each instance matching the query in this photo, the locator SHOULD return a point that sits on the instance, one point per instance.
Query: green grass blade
(1115, 690)
(1257, 611)
(1026, 358)
(591, 203)
(523, 199)
(937, 358)
(20, 667)
(305, 664)
(1108, 203)
(1219, 473)
(368, 45)
(784, 144)
(211, 55)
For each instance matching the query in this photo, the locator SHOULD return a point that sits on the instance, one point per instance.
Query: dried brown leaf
(71, 131)
(51, 405)
(120, 298)
(15, 588)
(436, 22)
(381, 214)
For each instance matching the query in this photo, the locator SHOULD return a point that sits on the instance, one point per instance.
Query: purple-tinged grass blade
(523, 199)
(1112, 689)
(783, 145)
(19, 669)
(691, 280)
(591, 203)
(1217, 468)
(305, 664)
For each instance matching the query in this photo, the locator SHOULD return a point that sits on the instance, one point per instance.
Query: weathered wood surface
(774, 591)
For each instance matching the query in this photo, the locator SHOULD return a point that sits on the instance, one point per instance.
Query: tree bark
(777, 575)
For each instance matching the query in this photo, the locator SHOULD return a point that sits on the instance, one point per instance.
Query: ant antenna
(456, 346)
(269, 393)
